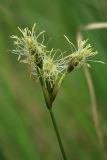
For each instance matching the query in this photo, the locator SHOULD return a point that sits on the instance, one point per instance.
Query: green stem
(49, 106)
(57, 134)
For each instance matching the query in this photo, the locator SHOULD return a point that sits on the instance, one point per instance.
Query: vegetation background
(26, 131)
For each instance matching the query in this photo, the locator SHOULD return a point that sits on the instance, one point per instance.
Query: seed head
(45, 64)
(81, 55)
(28, 49)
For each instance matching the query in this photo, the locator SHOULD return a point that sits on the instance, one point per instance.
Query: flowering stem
(57, 134)
(49, 106)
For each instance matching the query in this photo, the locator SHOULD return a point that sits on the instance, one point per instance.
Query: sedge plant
(50, 67)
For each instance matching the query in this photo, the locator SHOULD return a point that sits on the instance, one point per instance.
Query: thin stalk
(57, 134)
(95, 113)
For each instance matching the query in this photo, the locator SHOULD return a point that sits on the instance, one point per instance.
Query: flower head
(28, 49)
(45, 64)
(81, 55)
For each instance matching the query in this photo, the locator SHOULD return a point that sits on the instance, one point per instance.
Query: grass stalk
(95, 113)
(57, 134)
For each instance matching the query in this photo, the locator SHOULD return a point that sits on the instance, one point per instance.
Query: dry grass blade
(95, 114)
(92, 26)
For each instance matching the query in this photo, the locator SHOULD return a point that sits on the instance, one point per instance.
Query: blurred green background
(26, 131)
